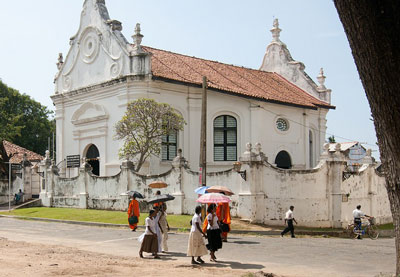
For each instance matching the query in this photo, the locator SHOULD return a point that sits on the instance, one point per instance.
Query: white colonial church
(278, 105)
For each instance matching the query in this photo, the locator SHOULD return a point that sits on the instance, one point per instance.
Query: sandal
(141, 255)
(200, 260)
(157, 257)
(194, 262)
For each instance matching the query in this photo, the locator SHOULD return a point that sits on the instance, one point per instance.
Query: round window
(282, 124)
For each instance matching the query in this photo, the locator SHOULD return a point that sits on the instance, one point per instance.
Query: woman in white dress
(164, 227)
(158, 227)
(196, 245)
(149, 243)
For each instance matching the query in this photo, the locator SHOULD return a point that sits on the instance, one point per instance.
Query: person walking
(213, 232)
(289, 218)
(158, 204)
(358, 215)
(224, 217)
(150, 242)
(133, 214)
(157, 226)
(196, 245)
(164, 227)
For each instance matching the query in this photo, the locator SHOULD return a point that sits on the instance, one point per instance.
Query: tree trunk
(373, 28)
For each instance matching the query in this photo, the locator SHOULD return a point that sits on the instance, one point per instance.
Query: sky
(229, 31)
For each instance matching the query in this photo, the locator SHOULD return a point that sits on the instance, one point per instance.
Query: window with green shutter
(225, 138)
(169, 146)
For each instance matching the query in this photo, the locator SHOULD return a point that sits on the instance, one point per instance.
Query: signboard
(73, 161)
(16, 167)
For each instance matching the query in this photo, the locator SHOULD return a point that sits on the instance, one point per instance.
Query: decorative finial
(258, 147)
(248, 147)
(137, 38)
(321, 79)
(276, 31)
(60, 61)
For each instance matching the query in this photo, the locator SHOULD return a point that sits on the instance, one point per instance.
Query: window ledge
(219, 163)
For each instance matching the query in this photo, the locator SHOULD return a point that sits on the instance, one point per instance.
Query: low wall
(366, 188)
(15, 185)
(323, 197)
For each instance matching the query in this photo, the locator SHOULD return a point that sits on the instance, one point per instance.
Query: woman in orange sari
(133, 210)
(224, 216)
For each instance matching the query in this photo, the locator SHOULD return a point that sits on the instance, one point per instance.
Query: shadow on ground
(224, 264)
(244, 242)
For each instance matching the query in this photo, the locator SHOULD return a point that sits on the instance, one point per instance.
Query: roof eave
(241, 95)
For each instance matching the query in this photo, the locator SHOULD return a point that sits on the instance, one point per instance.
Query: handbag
(224, 227)
(133, 220)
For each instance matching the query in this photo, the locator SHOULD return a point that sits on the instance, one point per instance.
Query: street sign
(16, 167)
(73, 161)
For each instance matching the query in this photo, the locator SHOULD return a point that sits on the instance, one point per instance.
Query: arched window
(169, 145)
(225, 138)
(283, 160)
(311, 148)
(93, 158)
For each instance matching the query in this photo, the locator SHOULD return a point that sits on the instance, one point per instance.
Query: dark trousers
(290, 228)
(357, 224)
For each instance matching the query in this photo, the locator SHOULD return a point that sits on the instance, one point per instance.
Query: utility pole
(203, 134)
(9, 186)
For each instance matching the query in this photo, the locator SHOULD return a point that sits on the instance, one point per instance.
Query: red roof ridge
(201, 59)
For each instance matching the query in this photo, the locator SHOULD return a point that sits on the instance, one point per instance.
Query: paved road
(286, 256)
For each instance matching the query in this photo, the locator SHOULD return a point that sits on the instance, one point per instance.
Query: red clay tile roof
(19, 151)
(266, 86)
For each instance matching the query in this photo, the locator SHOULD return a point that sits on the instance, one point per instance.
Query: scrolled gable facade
(278, 105)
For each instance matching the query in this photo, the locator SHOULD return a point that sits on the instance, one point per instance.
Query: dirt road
(55, 249)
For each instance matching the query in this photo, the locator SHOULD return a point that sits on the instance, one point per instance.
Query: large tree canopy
(142, 127)
(24, 121)
(373, 30)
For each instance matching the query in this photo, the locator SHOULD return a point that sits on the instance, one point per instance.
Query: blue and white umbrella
(201, 190)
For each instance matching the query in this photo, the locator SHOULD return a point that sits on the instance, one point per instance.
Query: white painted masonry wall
(317, 194)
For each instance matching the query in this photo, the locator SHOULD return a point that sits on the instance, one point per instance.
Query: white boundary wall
(323, 197)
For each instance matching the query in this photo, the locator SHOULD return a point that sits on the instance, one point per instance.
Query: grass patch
(388, 226)
(100, 216)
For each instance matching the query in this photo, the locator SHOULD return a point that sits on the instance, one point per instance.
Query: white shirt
(358, 213)
(214, 224)
(150, 224)
(196, 219)
(289, 215)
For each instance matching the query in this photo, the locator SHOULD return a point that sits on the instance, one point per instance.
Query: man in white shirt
(357, 215)
(289, 218)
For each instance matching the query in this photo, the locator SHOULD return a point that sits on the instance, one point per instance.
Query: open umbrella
(158, 185)
(134, 193)
(209, 198)
(201, 190)
(161, 198)
(220, 189)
